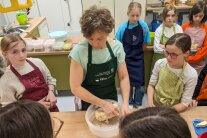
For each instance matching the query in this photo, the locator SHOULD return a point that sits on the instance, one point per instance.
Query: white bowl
(102, 130)
(59, 36)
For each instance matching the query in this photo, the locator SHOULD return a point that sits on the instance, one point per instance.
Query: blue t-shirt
(146, 32)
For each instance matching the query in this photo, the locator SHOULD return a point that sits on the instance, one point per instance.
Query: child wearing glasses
(164, 32)
(197, 30)
(173, 80)
(25, 119)
(25, 78)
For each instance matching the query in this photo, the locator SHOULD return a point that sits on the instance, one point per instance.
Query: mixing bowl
(102, 129)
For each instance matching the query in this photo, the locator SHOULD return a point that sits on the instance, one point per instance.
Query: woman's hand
(125, 109)
(111, 109)
(51, 98)
(44, 102)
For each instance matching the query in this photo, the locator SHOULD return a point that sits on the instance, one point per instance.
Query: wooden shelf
(159, 8)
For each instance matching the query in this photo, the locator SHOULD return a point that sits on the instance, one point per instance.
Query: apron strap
(17, 73)
(90, 52)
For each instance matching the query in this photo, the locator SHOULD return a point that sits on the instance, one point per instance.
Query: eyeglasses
(57, 125)
(172, 55)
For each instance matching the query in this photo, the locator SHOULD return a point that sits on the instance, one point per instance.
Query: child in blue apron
(173, 80)
(134, 34)
(95, 62)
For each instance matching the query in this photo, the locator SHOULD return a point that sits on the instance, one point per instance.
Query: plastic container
(21, 17)
(48, 44)
(152, 36)
(29, 43)
(58, 46)
(59, 36)
(38, 45)
(155, 24)
(102, 130)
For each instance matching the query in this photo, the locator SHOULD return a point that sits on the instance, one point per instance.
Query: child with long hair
(197, 30)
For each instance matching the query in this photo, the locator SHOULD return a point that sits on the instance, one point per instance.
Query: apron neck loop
(90, 52)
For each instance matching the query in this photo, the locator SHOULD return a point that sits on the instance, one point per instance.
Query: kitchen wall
(2, 20)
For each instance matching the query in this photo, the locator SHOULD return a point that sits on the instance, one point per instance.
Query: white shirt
(168, 32)
(190, 79)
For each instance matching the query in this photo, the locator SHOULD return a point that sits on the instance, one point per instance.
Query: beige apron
(169, 88)
(163, 41)
(197, 38)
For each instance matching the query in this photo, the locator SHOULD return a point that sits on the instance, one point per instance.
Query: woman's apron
(100, 78)
(163, 41)
(169, 88)
(197, 38)
(133, 40)
(35, 86)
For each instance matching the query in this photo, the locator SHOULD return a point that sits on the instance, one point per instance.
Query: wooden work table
(75, 125)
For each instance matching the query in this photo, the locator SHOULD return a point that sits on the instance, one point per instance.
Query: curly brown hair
(96, 19)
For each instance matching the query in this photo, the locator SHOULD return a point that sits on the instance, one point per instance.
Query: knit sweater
(11, 89)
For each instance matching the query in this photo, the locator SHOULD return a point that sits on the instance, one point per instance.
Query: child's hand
(162, 46)
(150, 104)
(194, 103)
(44, 102)
(51, 98)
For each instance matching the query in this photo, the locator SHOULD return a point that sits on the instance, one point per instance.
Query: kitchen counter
(34, 23)
(159, 8)
(59, 64)
(73, 40)
(75, 125)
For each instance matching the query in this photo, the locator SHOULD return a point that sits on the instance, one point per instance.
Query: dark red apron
(35, 86)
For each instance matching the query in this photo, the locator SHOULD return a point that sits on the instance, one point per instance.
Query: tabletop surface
(75, 125)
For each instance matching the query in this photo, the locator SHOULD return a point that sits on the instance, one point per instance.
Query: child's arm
(180, 107)
(157, 45)
(152, 83)
(150, 94)
(200, 81)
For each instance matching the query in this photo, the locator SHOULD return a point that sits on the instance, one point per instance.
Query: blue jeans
(135, 97)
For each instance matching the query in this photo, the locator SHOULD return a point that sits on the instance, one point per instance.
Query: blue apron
(133, 40)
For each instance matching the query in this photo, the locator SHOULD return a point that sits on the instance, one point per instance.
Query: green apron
(163, 41)
(100, 78)
(169, 88)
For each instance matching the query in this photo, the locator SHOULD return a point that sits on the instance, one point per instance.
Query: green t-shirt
(79, 53)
